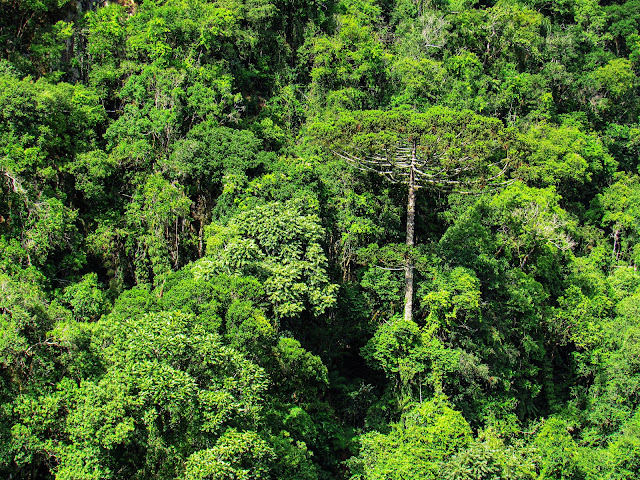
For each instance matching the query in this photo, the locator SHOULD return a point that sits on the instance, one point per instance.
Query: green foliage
(452, 297)
(168, 385)
(194, 283)
(279, 243)
(383, 288)
(618, 205)
(44, 128)
(452, 147)
(158, 209)
(235, 456)
(564, 156)
(429, 433)
(557, 449)
(299, 373)
(86, 300)
(411, 357)
(350, 67)
(488, 457)
(35, 32)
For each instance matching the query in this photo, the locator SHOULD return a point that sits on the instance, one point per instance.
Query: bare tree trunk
(411, 220)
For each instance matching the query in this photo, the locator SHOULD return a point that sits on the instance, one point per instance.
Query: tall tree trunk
(411, 220)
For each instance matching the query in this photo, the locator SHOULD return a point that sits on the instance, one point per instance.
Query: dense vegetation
(284, 239)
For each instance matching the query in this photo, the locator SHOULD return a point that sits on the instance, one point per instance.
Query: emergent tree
(441, 149)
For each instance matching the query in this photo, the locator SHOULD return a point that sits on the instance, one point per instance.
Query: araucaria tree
(440, 149)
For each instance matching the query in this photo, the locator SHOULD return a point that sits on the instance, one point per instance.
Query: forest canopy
(342, 239)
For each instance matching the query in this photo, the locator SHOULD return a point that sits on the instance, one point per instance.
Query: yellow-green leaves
(429, 434)
(280, 244)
